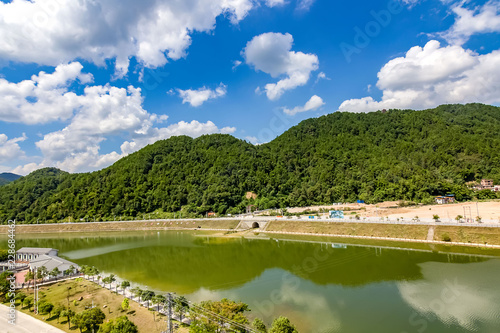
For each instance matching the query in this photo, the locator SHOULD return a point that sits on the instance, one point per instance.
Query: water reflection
(322, 287)
(467, 297)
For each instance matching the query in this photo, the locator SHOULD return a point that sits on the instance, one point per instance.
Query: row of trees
(208, 316)
(398, 155)
(89, 320)
(42, 273)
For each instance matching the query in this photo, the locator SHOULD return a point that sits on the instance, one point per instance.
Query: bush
(446, 238)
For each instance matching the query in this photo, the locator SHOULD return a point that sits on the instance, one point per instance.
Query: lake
(331, 286)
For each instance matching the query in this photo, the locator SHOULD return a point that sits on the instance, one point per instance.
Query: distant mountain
(386, 155)
(7, 177)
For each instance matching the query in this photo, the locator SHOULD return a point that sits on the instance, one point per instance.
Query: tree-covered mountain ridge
(386, 155)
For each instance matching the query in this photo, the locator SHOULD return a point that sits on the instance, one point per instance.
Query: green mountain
(394, 155)
(7, 177)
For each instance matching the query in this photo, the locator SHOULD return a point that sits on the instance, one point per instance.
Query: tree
(55, 272)
(125, 285)
(69, 314)
(158, 299)
(5, 284)
(89, 319)
(282, 325)
(110, 279)
(20, 297)
(45, 307)
(181, 305)
(259, 325)
(28, 302)
(41, 272)
(435, 217)
(459, 218)
(29, 276)
(119, 325)
(224, 309)
(125, 304)
(58, 311)
(137, 292)
(147, 295)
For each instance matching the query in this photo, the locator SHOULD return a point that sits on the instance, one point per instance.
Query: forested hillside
(393, 155)
(6, 178)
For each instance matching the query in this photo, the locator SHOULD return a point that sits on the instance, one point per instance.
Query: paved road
(24, 323)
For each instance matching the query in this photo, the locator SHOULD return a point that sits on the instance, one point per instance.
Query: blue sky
(83, 84)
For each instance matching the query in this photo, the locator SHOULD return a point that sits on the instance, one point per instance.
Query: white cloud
(482, 19)
(270, 53)
(304, 5)
(193, 129)
(198, 97)
(443, 293)
(9, 149)
(322, 76)
(314, 103)
(93, 116)
(252, 139)
(236, 64)
(433, 75)
(273, 3)
(154, 31)
(42, 99)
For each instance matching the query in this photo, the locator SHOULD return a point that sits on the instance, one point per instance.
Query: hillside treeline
(341, 157)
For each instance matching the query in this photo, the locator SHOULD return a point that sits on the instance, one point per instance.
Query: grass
(67, 292)
(477, 235)
(352, 228)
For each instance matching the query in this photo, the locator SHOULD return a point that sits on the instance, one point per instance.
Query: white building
(30, 253)
(51, 262)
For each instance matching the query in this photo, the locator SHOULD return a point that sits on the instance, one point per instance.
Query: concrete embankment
(205, 224)
(459, 234)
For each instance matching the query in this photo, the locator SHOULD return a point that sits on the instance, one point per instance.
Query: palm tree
(125, 285)
(137, 293)
(158, 299)
(181, 305)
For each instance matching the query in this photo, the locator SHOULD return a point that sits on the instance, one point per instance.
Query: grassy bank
(477, 235)
(123, 226)
(68, 294)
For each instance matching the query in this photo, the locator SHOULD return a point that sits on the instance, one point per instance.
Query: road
(24, 323)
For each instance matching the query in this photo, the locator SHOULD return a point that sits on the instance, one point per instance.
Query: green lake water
(321, 287)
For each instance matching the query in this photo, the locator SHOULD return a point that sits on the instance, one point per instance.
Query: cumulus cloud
(482, 19)
(444, 294)
(93, 116)
(9, 149)
(193, 129)
(270, 53)
(153, 31)
(314, 103)
(44, 98)
(199, 96)
(433, 75)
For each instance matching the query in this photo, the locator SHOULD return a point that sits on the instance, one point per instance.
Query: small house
(444, 199)
(486, 183)
(31, 253)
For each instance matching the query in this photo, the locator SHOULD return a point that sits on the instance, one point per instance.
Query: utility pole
(477, 207)
(169, 313)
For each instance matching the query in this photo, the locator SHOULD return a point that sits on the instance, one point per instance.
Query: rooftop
(51, 262)
(35, 250)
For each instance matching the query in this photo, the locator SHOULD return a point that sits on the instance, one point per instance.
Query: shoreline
(435, 233)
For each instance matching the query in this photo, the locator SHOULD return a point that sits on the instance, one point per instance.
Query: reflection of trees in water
(180, 259)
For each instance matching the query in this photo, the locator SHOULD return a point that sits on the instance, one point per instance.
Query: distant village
(486, 184)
